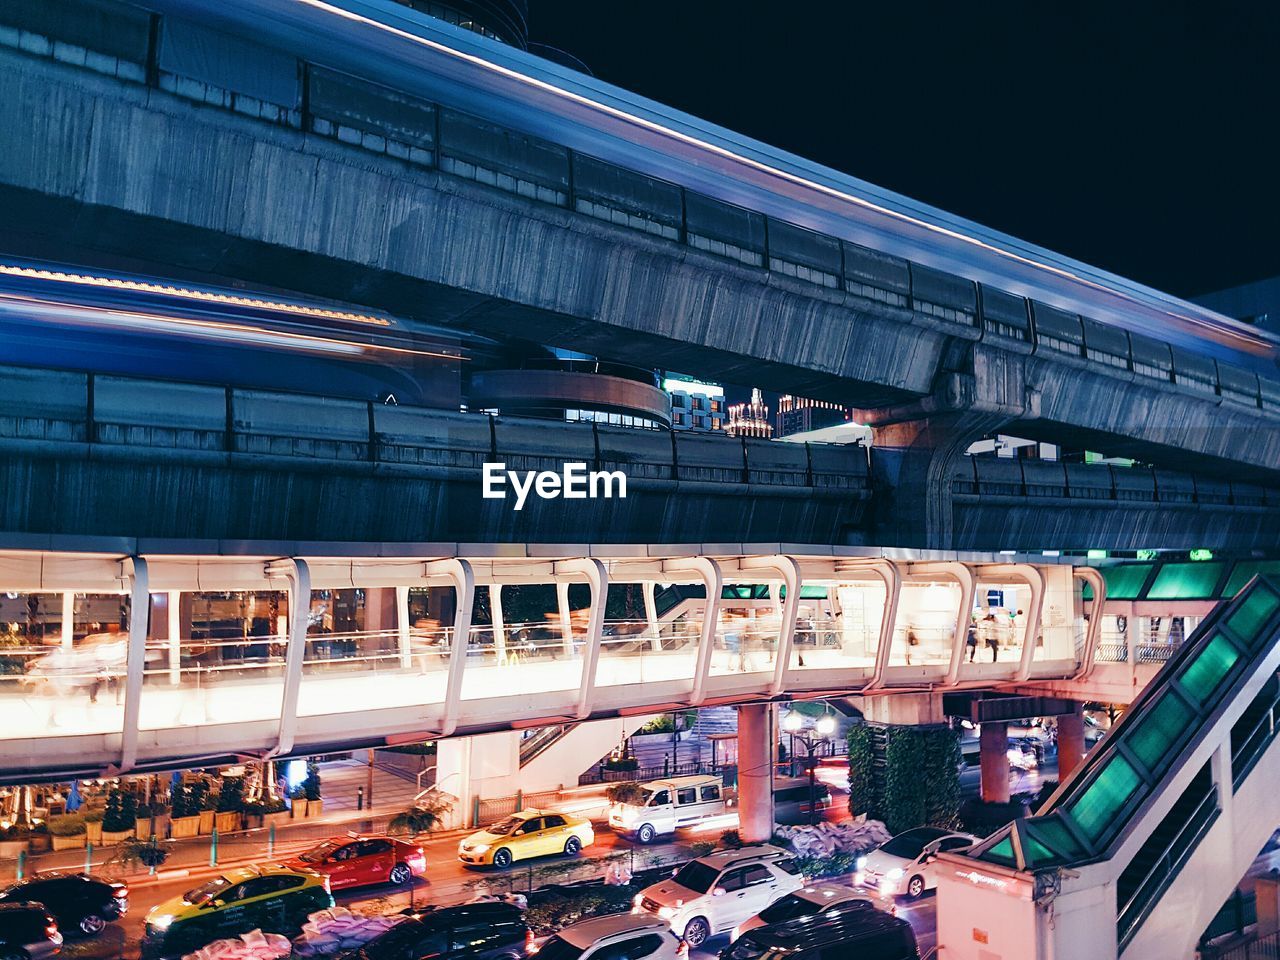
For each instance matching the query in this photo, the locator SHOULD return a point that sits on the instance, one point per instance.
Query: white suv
(625, 937)
(715, 893)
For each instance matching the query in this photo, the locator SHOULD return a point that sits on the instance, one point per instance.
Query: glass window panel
(1210, 666)
(1246, 570)
(1158, 731)
(1035, 852)
(1124, 582)
(1055, 834)
(1254, 612)
(1002, 852)
(1098, 807)
(1186, 581)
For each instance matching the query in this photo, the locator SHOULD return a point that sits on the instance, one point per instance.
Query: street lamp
(822, 730)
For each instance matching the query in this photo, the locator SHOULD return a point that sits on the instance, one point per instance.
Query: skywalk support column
(755, 772)
(914, 451)
(1070, 741)
(993, 741)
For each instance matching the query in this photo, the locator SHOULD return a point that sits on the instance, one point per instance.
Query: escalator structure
(1135, 853)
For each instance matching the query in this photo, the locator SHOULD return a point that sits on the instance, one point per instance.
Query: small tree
(424, 816)
(311, 785)
(122, 811)
(231, 796)
(629, 792)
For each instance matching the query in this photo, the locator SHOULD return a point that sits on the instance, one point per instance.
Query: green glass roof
(1160, 730)
(1246, 570)
(1187, 581)
(1002, 852)
(1099, 806)
(1124, 581)
(1210, 666)
(1254, 612)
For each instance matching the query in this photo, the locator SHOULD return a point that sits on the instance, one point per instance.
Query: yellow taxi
(529, 833)
(275, 899)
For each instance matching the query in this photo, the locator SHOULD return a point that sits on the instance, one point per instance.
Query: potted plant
(67, 831)
(121, 816)
(13, 841)
(93, 826)
(265, 812)
(311, 790)
(205, 805)
(184, 815)
(230, 804)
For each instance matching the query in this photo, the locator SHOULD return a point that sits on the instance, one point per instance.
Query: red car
(355, 861)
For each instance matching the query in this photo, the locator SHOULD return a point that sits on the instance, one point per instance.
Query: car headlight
(860, 863)
(894, 874)
(480, 848)
(160, 921)
(637, 900)
(666, 913)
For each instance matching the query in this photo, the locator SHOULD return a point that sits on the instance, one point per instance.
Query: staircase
(715, 720)
(1134, 854)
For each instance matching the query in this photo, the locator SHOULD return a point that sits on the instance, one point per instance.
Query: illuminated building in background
(800, 415)
(750, 419)
(695, 405)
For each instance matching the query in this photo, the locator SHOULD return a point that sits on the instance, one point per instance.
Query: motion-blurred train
(73, 318)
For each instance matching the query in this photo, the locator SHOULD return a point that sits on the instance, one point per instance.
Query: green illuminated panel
(1246, 570)
(1054, 834)
(1124, 582)
(1035, 852)
(1186, 581)
(1099, 806)
(1002, 852)
(1209, 668)
(811, 593)
(1255, 610)
(1159, 730)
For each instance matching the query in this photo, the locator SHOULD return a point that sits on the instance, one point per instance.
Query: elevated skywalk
(155, 690)
(1135, 853)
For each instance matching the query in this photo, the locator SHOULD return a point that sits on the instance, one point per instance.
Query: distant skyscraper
(750, 419)
(801, 415)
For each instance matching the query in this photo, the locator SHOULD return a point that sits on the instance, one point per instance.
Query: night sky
(1142, 142)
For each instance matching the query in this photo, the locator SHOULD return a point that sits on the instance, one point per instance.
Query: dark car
(475, 931)
(28, 932)
(865, 934)
(78, 902)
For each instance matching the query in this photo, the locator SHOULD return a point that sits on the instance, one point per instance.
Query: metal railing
(1263, 948)
(1162, 871)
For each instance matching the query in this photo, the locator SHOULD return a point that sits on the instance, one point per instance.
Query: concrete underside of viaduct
(124, 171)
(123, 492)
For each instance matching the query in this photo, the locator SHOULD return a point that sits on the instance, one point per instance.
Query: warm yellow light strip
(187, 293)
(132, 319)
(764, 167)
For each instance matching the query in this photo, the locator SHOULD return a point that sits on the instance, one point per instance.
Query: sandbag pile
(824, 839)
(327, 932)
(254, 945)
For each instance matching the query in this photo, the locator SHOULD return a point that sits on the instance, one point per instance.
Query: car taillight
(683, 949)
(530, 943)
(120, 893)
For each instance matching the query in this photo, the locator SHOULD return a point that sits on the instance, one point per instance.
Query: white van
(668, 804)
